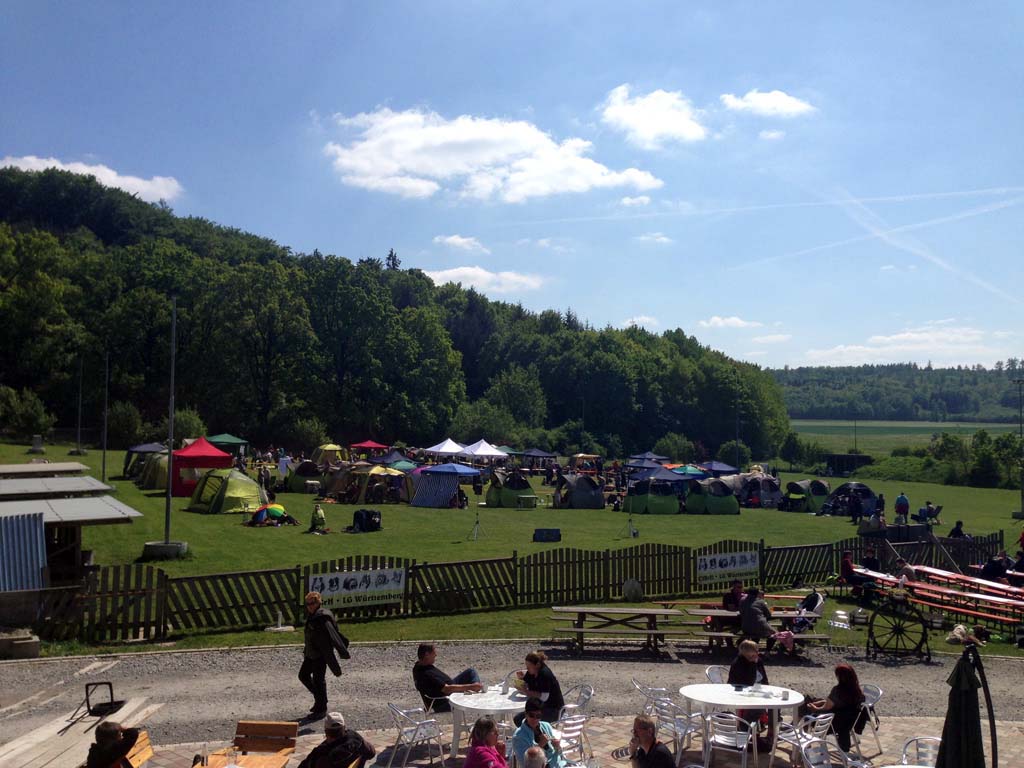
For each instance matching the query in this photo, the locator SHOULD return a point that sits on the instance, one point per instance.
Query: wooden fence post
(406, 595)
(606, 576)
(300, 590)
(515, 578)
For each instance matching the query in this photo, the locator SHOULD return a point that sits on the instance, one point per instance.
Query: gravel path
(205, 692)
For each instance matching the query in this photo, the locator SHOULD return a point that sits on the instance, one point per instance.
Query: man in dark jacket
(340, 748)
(321, 640)
(113, 743)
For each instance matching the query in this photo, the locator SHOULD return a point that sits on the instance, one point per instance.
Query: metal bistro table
(725, 696)
(467, 707)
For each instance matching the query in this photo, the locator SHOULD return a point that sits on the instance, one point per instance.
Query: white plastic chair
(571, 733)
(809, 728)
(872, 694)
(717, 673)
(413, 728)
(650, 695)
(673, 722)
(729, 733)
(921, 750)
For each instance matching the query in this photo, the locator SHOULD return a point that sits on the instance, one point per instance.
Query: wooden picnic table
(725, 613)
(615, 620)
(983, 585)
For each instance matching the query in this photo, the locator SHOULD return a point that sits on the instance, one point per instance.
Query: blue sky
(791, 184)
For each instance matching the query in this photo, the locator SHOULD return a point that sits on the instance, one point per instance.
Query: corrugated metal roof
(46, 487)
(22, 551)
(42, 470)
(84, 511)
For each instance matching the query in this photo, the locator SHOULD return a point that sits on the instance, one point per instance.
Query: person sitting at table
(905, 570)
(434, 685)
(535, 732)
(645, 751)
(844, 701)
(995, 568)
(486, 750)
(870, 561)
(748, 669)
(958, 531)
(340, 748)
(1018, 564)
(542, 684)
(113, 743)
(754, 618)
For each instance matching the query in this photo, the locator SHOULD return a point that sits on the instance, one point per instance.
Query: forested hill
(280, 346)
(905, 392)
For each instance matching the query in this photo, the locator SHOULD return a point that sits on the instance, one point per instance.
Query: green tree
(727, 454)
(483, 419)
(187, 424)
(677, 447)
(23, 413)
(791, 449)
(952, 449)
(984, 471)
(518, 391)
(124, 425)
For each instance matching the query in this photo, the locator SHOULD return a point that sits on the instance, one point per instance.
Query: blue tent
(450, 469)
(660, 473)
(537, 453)
(643, 464)
(650, 456)
(717, 468)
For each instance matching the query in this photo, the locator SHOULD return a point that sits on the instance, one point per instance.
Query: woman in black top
(844, 700)
(113, 743)
(541, 683)
(748, 669)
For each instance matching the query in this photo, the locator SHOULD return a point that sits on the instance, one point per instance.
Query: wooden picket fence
(140, 602)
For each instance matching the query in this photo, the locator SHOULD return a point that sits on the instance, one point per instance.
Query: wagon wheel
(898, 630)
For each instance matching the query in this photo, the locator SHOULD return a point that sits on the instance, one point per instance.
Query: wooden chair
(142, 751)
(275, 736)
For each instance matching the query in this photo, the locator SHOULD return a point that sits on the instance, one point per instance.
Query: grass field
(878, 438)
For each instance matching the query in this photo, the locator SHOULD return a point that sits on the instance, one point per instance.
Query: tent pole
(170, 425)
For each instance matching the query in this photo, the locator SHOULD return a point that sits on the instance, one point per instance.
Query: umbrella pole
(971, 652)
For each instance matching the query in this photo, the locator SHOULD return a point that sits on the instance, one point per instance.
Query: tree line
(903, 392)
(281, 346)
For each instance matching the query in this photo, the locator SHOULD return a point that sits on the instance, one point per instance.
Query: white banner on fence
(730, 565)
(349, 589)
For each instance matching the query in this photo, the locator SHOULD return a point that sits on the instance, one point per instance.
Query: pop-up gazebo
(189, 462)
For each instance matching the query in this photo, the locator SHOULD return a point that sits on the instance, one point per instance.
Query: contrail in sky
(694, 211)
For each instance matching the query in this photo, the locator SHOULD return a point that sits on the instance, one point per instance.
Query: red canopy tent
(370, 445)
(202, 454)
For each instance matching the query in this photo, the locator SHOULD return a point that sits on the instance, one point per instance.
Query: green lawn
(219, 543)
(878, 438)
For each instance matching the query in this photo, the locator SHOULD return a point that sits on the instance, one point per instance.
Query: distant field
(878, 438)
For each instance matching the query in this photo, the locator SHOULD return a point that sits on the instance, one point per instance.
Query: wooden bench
(276, 736)
(142, 751)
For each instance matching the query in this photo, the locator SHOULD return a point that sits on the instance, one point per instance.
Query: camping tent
(226, 490)
(690, 472)
(804, 496)
(438, 484)
(839, 498)
(537, 453)
(301, 471)
(506, 487)
(368, 477)
(446, 448)
(717, 468)
(656, 492)
(754, 488)
(153, 475)
(233, 445)
(649, 455)
(391, 457)
(578, 491)
(710, 497)
(136, 456)
(328, 453)
(189, 461)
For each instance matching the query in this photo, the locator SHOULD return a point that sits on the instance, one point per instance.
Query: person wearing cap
(340, 748)
(322, 640)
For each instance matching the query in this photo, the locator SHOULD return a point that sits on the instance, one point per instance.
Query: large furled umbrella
(961, 734)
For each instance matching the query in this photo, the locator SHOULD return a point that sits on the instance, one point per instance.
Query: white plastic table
(725, 696)
(467, 707)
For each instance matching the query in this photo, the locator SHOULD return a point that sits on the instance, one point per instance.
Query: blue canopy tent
(717, 468)
(649, 455)
(438, 484)
(644, 464)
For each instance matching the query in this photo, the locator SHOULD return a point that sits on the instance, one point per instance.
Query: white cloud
(461, 243)
(633, 202)
(151, 190)
(773, 338)
(417, 154)
(729, 322)
(887, 267)
(652, 120)
(487, 281)
(772, 135)
(1003, 334)
(770, 104)
(654, 237)
(939, 342)
(644, 321)
(545, 242)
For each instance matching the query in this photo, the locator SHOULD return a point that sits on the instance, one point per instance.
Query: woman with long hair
(485, 749)
(844, 701)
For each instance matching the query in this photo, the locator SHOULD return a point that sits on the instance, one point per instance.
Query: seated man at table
(645, 751)
(870, 561)
(434, 685)
(905, 570)
(1018, 564)
(340, 748)
(995, 568)
(535, 732)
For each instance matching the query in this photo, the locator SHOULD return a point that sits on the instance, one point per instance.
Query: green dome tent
(711, 497)
(655, 494)
(578, 492)
(226, 490)
(154, 472)
(506, 487)
(804, 496)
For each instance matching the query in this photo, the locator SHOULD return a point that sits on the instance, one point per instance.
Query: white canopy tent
(481, 449)
(447, 448)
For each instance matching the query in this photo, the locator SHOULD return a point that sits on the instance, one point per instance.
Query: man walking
(321, 640)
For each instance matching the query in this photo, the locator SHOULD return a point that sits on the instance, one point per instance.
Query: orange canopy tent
(188, 462)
